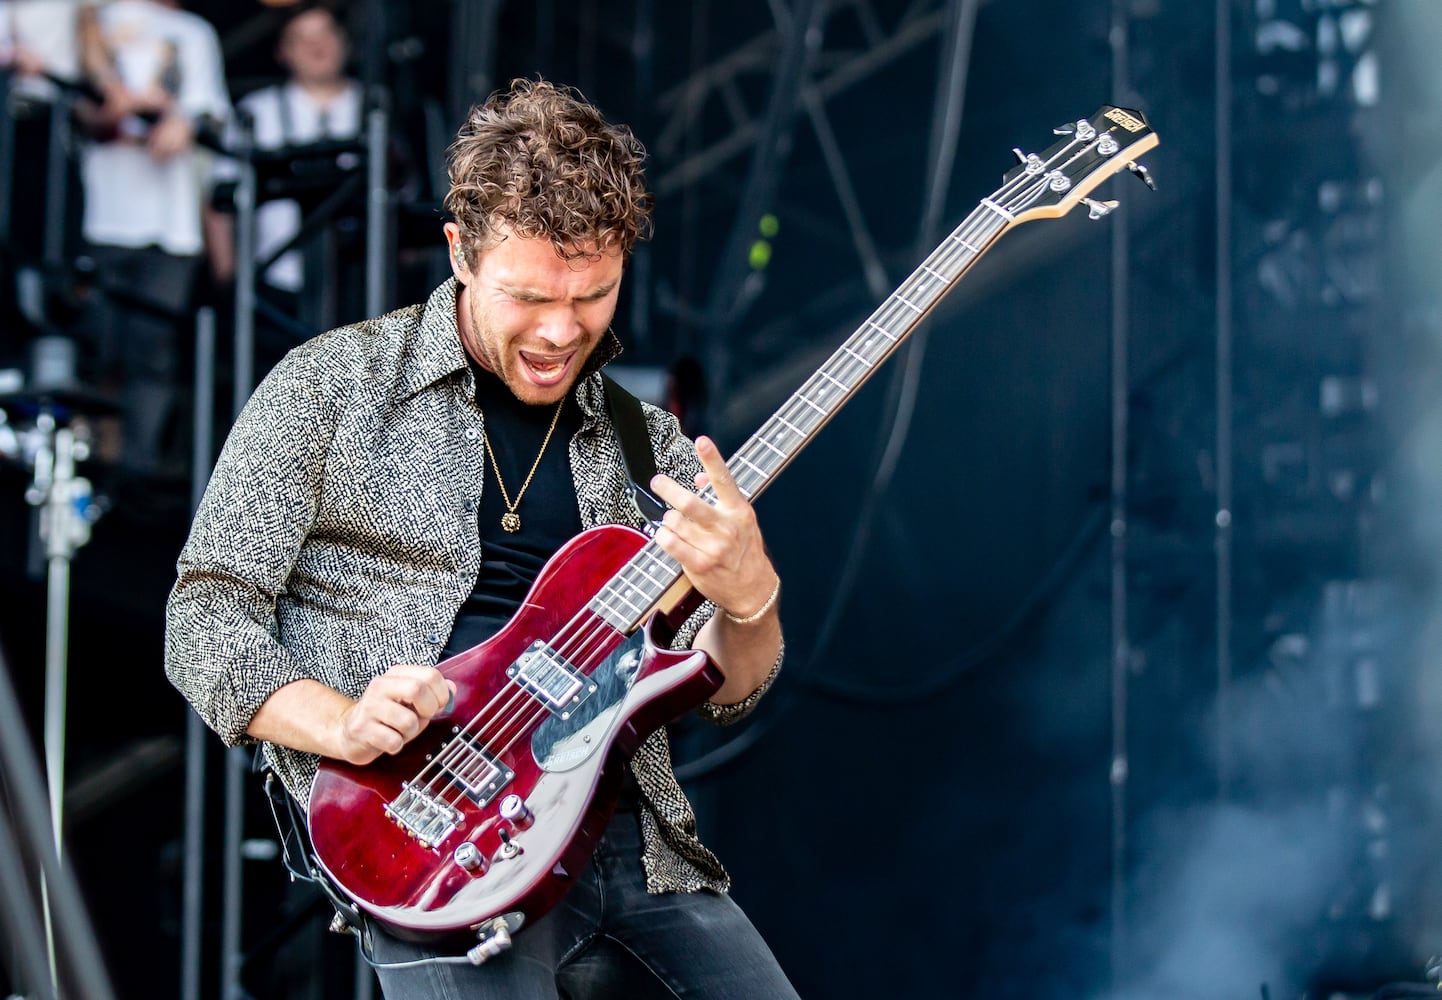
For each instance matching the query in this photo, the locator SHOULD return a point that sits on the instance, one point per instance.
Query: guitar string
(517, 723)
(458, 757)
(940, 258)
(574, 650)
(847, 368)
(460, 760)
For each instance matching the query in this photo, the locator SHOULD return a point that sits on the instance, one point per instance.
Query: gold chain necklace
(510, 520)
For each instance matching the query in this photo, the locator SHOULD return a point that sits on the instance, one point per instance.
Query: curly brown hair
(541, 161)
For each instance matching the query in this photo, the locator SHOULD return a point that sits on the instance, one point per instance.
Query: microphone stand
(67, 510)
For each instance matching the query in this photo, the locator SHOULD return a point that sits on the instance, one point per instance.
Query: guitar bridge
(426, 819)
(551, 680)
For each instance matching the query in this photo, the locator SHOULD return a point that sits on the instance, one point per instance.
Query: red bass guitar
(479, 825)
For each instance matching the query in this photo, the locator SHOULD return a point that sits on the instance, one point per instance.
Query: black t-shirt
(549, 513)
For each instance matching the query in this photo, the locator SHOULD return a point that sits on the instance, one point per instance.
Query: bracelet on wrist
(759, 612)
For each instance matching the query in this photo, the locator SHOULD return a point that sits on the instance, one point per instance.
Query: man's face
(312, 48)
(530, 317)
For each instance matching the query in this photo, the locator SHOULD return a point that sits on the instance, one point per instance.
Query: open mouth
(546, 370)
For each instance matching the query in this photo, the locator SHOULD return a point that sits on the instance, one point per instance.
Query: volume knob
(515, 811)
(469, 857)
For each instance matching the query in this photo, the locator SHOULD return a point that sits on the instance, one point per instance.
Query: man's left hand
(718, 545)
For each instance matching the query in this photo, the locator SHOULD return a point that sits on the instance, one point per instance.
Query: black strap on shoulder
(634, 436)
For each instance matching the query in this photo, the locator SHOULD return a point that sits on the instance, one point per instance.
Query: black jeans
(607, 938)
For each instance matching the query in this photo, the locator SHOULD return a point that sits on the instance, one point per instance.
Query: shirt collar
(436, 350)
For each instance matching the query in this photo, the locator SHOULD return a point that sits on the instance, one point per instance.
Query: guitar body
(392, 834)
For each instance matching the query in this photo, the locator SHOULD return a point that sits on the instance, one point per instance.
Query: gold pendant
(511, 521)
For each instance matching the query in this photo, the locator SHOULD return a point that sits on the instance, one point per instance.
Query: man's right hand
(393, 710)
(307, 715)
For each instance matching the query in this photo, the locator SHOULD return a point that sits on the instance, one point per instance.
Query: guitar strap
(635, 439)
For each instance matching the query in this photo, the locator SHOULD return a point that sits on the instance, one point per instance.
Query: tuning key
(1143, 174)
(1020, 156)
(1097, 209)
(1067, 129)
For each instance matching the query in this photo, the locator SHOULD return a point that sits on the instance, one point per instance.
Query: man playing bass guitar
(387, 499)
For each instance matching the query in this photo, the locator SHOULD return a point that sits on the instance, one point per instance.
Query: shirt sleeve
(202, 74)
(222, 644)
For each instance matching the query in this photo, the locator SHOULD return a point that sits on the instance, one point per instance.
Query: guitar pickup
(479, 774)
(551, 680)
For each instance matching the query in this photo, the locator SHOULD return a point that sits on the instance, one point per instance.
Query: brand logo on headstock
(1126, 120)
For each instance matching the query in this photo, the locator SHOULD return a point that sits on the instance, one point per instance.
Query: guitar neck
(762, 457)
(643, 584)
(1041, 186)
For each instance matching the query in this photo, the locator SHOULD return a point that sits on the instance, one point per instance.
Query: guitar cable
(348, 919)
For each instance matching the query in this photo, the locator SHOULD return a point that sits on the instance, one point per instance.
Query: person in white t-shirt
(40, 38)
(317, 102)
(164, 81)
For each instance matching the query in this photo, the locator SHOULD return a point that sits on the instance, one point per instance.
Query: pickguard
(563, 744)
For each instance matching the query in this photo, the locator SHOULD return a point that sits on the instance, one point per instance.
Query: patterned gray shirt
(338, 537)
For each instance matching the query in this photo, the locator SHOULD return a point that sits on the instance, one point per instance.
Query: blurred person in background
(160, 71)
(39, 180)
(316, 103)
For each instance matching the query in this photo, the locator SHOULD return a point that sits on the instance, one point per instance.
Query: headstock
(1050, 184)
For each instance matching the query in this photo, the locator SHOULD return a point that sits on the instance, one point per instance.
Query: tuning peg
(1068, 129)
(1143, 174)
(1020, 156)
(1097, 209)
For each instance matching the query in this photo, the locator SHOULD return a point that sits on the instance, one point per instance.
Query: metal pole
(66, 513)
(801, 37)
(56, 188)
(237, 765)
(1224, 396)
(7, 155)
(377, 270)
(79, 952)
(196, 737)
(243, 381)
(245, 271)
(27, 947)
(1119, 772)
(377, 211)
(57, 600)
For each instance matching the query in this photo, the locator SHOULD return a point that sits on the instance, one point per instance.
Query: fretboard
(634, 592)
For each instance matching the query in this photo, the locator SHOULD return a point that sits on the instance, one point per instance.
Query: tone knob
(469, 857)
(515, 811)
